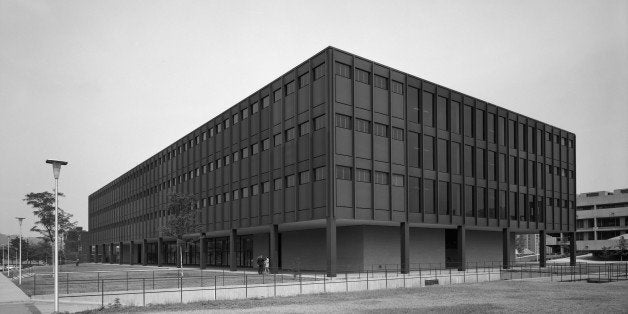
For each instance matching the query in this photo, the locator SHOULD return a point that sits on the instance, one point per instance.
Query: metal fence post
(347, 281)
(275, 283)
(67, 283)
(324, 283)
(102, 294)
(98, 281)
(181, 288)
(127, 281)
(143, 291)
(246, 287)
(386, 276)
(215, 288)
(367, 280)
(300, 284)
(153, 280)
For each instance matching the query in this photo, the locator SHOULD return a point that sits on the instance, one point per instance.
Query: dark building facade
(342, 164)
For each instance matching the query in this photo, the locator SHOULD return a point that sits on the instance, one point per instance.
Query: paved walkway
(14, 300)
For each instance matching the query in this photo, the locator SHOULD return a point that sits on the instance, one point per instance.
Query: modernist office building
(601, 218)
(345, 164)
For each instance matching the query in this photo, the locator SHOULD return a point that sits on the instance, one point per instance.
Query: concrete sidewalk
(14, 300)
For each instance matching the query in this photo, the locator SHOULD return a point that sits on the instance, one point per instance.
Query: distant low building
(601, 220)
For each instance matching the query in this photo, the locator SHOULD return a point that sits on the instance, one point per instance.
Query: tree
(520, 243)
(43, 204)
(182, 219)
(15, 245)
(622, 246)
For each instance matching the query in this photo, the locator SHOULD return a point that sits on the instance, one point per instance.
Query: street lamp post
(20, 219)
(8, 254)
(56, 169)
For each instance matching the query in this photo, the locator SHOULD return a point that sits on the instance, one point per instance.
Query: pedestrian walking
(260, 264)
(267, 265)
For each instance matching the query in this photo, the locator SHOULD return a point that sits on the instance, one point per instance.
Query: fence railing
(177, 285)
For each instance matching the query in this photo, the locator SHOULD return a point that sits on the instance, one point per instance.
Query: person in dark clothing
(260, 264)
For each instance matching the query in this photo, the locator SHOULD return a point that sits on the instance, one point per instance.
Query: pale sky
(106, 84)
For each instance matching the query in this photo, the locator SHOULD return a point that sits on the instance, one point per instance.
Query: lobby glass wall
(218, 251)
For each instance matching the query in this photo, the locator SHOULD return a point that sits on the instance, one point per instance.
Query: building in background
(602, 218)
(344, 164)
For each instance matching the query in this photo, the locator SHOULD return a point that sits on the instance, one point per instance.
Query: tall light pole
(56, 169)
(20, 219)
(8, 254)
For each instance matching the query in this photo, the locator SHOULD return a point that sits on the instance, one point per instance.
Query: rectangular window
(218, 130)
(455, 158)
(469, 198)
(291, 180)
(443, 160)
(521, 174)
(236, 195)
(343, 70)
(456, 207)
(277, 94)
(236, 118)
(428, 196)
(502, 205)
(468, 121)
(219, 163)
(255, 149)
(413, 149)
(512, 205)
(363, 126)
(396, 87)
(412, 105)
(290, 88)
(227, 160)
(362, 175)
(236, 156)
(397, 134)
(414, 194)
(266, 101)
(380, 129)
(381, 177)
(512, 130)
(397, 180)
(490, 126)
(304, 80)
(227, 124)
(491, 165)
(479, 163)
(277, 139)
(502, 168)
(428, 108)
(319, 173)
(343, 173)
(530, 140)
(245, 192)
(266, 187)
(441, 113)
(343, 121)
(428, 152)
(212, 166)
(481, 206)
(479, 124)
(521, 133)
(539, 142)
(380, 82)
(319, 71)
(319, 122)
(468, 161)
(255, 189)
(454, 107)
(254, 107)
(362, 76)
(512, 170)
(501, 130)
(245, 152)
(266, 144)
(212, 201)
(304, 128)
(304, 177)
(443, 198)
(290, 134)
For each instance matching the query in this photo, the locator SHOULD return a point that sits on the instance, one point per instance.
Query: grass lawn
(491, 297)
(88, 278)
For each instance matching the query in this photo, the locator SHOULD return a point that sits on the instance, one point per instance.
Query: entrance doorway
(452, 260)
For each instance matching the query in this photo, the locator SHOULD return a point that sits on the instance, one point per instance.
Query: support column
(232, 252)
(144, 249)
(404, 234)
(572, 249)
(160, 253)
(542, 248)
(506, 248)
(462, 248)
(121, 253)
(331, 247)
(202, 263)
(274, 248)
(111, 252)
(131, 252)
(103, 256)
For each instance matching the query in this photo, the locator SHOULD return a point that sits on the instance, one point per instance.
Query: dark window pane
(443, 199)
(501, 130)
(511, 134)
(468, 161)
(429, 196)
(479, 124)
(455, 158)
(490, 126)
(455, 199)
(414, 194)
(441, 113)
(491, 166)
(413, 104)
(468, 121)
(481, 206)
(469, 196)
(428, 152)
(492, 199)
(428, 109)
(455, 116)
(413, 149)
(479, 163)
(512, 205)
(442, 156)
(502, 168)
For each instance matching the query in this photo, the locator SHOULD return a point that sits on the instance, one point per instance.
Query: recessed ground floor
(344, 247)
